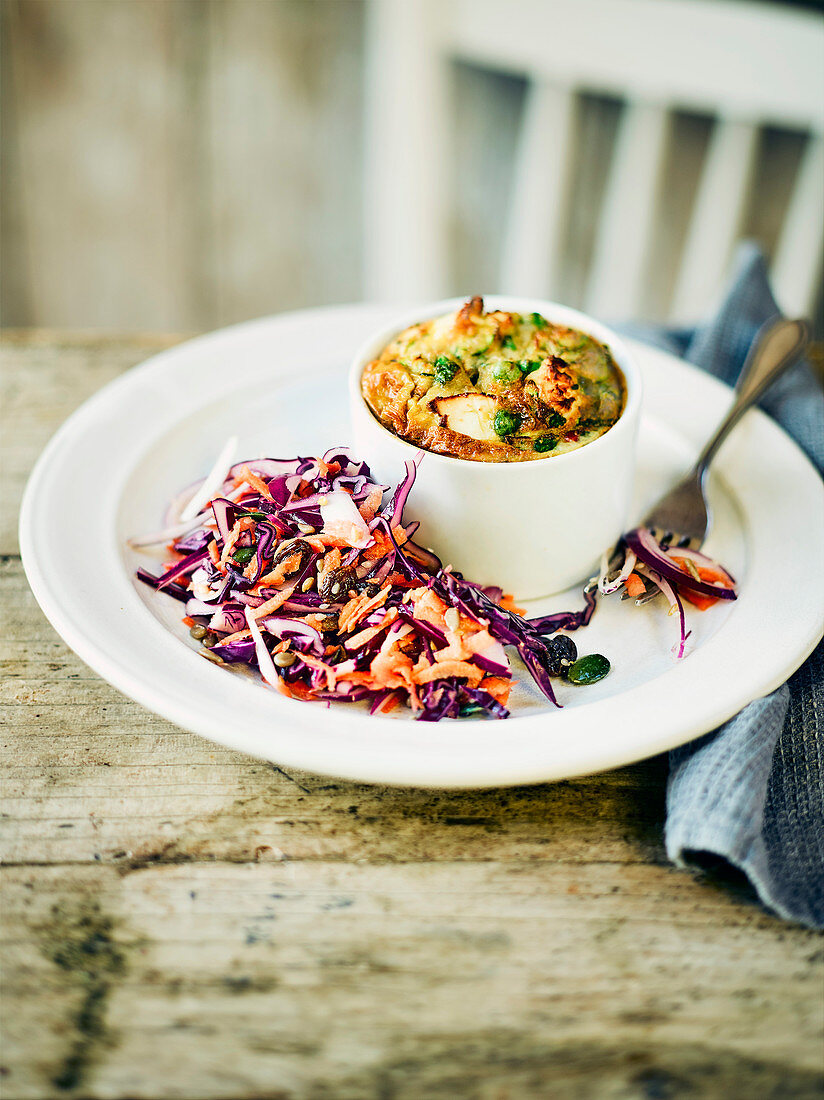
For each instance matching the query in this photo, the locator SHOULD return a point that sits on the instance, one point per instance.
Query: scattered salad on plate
(652, 567)
(306, 569)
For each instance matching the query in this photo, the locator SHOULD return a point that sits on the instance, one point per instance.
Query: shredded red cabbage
(666, 560)
(676, 572)
(297, 567)
(346, 605)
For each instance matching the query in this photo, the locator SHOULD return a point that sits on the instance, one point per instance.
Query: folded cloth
(752, 791)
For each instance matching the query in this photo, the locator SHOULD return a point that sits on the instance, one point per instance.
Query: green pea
(445, 370)
(505, 423)
(589, 669)
(244, 554)
(529, 365)
(538, 320)
(555, 420)
(574, 341)
(508, 341)
(507, 372)
(545, 443)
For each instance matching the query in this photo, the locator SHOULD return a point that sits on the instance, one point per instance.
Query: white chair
(746, 64)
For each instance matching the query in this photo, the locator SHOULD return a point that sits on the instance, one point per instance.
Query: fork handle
(777, 347)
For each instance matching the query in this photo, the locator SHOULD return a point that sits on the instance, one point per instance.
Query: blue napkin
(752, 791)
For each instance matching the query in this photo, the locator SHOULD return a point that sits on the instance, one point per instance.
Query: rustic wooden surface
(182, 921)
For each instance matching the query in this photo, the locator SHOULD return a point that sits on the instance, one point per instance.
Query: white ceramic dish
(280, 384)
(566, 509)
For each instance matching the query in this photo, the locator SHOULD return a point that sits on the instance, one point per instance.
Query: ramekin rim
(430, 310)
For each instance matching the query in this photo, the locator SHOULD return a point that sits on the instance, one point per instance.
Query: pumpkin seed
(589, 669)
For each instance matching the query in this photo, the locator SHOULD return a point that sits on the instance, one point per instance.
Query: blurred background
(178, 165)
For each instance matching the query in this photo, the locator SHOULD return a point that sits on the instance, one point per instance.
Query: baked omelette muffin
(494, 386)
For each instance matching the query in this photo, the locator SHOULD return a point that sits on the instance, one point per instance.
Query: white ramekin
(535, 527)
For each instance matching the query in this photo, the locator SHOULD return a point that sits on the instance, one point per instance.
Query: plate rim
(523, 764)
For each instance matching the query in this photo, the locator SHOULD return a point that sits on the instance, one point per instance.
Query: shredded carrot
(333, 540)
(352, 677)
(478, 641)
(708, 576)
(453, 652)
(285, 689)
(279, 574)
(392, 670)
(278, 600)
(508, 604)
(371, 632)
(300, 691)
(249, 571)
(330, 561)
(697, 600)
(245, 523)
(359, 607)
(188, 620)
(399, 581)
(635, 586)
(390, 703)
(315, 619)
(441, 669)
(313, 662)
(497, 687)
(257, 483)
(429, 607)
(369, 507)
(381, 548)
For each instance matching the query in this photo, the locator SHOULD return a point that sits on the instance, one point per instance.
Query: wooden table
(182, 921)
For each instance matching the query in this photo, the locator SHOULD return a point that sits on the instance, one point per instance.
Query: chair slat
(534, 237)
(406, 162)
(716, 218)
(757, 59)
(648, 52)
(628, 212)
(798, 259)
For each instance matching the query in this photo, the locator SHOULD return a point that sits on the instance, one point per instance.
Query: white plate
(280, 384)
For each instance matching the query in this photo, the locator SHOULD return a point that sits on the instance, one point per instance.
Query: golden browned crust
(558, 390)
(494, 387)
(469, 313)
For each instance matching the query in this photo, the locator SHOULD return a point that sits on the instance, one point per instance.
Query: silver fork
(682, 516)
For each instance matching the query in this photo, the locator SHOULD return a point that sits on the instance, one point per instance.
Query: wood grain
(179, 920)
